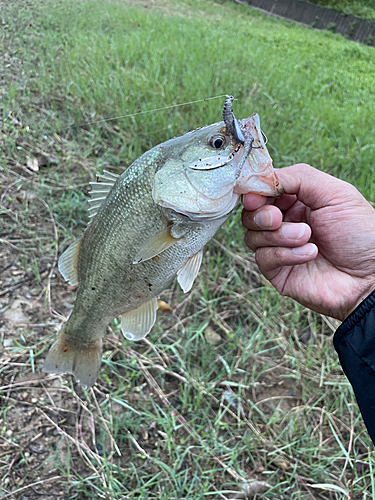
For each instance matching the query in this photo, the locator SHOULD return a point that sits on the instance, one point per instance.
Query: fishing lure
(238, 131)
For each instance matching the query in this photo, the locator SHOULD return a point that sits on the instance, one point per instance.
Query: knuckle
(249, 240)
(304, 166)
(263, 257)
(245, 218)
(352, 191)
(258, 258)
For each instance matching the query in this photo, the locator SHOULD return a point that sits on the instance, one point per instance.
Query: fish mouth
(257, 174)
(209, 188)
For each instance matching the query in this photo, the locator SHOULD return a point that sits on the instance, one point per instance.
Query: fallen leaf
(251, 489)
(32, 164)
(25, 196)
(14, 120)
(280, 463)
(15, 313)
(17, 272)
(211, 336)
(163, 306)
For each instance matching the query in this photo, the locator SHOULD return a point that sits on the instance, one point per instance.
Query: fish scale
(148, 227)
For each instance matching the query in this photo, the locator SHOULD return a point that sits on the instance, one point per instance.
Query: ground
(237, 392)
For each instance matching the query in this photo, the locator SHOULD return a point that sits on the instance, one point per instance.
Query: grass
(175, 416)
(359, 8)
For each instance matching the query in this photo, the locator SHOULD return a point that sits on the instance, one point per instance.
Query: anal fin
(136, 324)
(189, 271)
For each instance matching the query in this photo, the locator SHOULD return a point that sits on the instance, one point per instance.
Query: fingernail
(263, 218)
(293, 231)
(305, 250)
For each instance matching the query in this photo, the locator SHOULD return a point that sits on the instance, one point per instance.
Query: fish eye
(217, 141)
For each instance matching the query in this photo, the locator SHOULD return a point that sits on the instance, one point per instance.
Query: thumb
(314, 188)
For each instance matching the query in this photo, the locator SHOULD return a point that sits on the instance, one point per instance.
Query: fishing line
(147, 111)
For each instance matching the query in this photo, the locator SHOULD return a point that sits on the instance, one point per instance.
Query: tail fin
(83, 360)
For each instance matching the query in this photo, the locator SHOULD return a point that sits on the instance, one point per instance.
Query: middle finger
(288, 235)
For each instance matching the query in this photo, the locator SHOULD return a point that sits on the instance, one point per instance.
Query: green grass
(313, 96)
(359, 8)
(190, 419)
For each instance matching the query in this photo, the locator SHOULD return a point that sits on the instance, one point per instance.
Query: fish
(148, 226)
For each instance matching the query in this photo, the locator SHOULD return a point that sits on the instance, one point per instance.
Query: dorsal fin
(68, 263)
(100, 189)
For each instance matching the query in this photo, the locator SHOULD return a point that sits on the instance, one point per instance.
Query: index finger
(253, 201)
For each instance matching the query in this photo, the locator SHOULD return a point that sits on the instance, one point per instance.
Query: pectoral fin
(136, 324)
(189, 271)
(68, 263)
(155, 245)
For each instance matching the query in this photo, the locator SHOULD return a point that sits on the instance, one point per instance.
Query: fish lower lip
(264, 182)
(261, 184)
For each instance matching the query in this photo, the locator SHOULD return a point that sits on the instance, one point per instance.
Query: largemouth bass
(149, 226)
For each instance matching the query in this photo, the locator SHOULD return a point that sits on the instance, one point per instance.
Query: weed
(331, 27)
(174, 416)
(359, 8)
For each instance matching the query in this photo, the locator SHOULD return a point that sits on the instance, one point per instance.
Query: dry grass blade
(181, 414)
(32, 485)
(185, 425)
(85, 452)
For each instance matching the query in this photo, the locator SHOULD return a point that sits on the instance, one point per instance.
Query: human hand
(316, 243)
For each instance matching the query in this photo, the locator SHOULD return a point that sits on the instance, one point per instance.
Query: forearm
(354, 342)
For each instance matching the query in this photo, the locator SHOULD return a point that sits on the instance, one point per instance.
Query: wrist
(363, 296)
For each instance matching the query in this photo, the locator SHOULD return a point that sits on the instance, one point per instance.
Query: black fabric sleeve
(354, 342)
